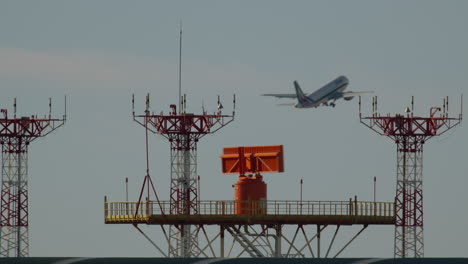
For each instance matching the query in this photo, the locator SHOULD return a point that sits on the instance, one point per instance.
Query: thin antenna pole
(376, 104)
(50, 107)
(180, 66)
(373, 105)
(147, 151)
(65, 114)
(147, 112)
(445, 112)
(375, 185)
(447, 104)
(359, 106)
(412, 104)
(133, 106)
(126, 190)
(233, 105)
(198, 190)
(301, 192)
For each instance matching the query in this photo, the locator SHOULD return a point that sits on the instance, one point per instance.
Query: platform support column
(221, 241)
(278, 241)
(318, 241)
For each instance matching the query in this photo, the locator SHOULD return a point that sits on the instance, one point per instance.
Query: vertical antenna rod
(65, 110)
(412, 105)
(14, 108)
(180, 67)
(50, 107)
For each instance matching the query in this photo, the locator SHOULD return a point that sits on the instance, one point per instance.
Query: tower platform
(258, 213)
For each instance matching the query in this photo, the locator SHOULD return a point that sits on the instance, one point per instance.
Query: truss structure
(15, 136)
(285, 229)
(267, 241)
(183, 131)
(194, 228)
(410, 133)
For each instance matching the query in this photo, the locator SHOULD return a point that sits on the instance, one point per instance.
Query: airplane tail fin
(301, 97)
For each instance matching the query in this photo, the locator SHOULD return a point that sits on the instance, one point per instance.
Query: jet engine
(348, 98)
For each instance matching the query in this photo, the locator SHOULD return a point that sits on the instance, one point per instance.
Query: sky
(99, 53)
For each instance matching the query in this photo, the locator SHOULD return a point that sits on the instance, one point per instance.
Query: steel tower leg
(409, 240)
(183, 195)
(14, 233)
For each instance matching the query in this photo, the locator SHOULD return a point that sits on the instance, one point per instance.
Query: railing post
(147, 206)
(105, 206)
(355, 205)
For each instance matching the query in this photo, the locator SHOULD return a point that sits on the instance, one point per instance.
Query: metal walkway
(258, 212)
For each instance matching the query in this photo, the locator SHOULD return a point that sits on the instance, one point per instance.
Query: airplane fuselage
(326, 95)
(329, 91)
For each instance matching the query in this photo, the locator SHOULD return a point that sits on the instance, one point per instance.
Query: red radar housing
(250, 191)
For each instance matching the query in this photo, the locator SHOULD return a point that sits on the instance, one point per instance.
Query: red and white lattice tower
(183, 130)
(410, 133)
(15, 136)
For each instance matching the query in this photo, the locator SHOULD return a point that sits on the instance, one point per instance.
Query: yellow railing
(126, 211)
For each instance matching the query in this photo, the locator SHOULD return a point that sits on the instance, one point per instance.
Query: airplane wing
(351, 94)
(281, 95)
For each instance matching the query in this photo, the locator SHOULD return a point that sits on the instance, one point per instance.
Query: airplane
(331, 91)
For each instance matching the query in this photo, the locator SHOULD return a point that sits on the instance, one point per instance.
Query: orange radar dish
(252, 159)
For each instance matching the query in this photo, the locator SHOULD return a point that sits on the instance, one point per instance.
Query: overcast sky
(100, 52)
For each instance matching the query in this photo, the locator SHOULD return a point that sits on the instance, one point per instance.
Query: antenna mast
(180, 67)
(16, 134)
(410, 133)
